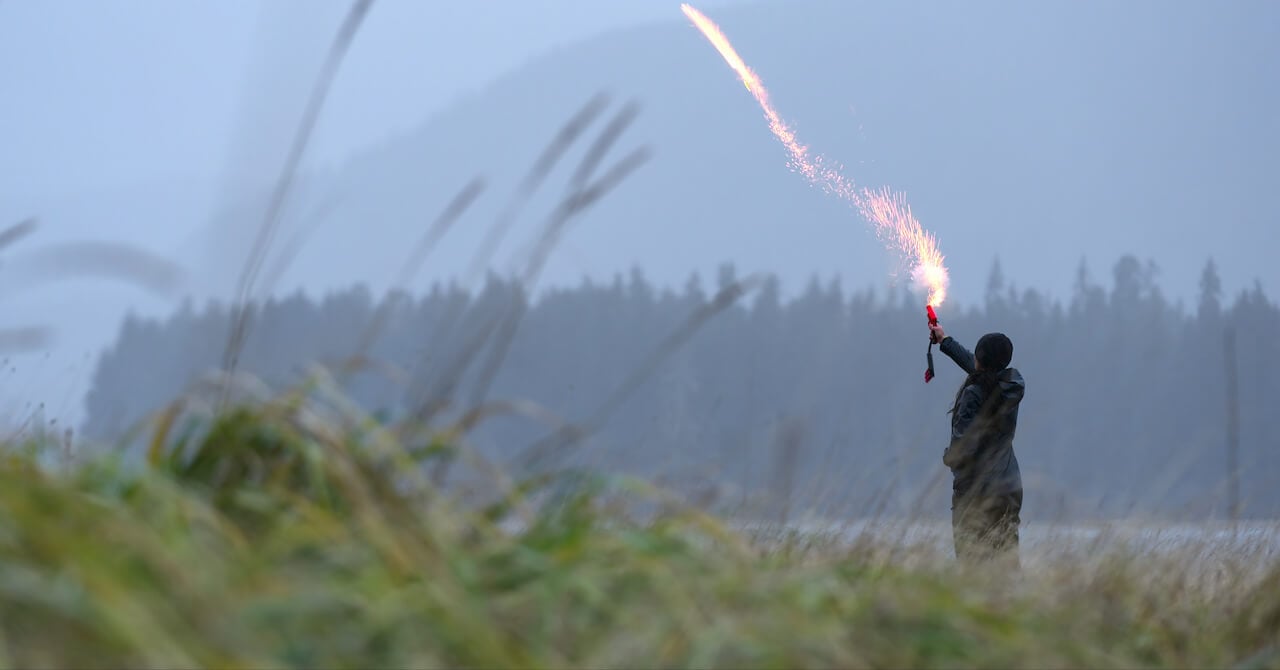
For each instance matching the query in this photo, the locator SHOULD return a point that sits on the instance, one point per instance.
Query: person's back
(987, 482)
(981, 455)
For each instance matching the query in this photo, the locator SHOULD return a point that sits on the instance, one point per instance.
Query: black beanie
(994, 351)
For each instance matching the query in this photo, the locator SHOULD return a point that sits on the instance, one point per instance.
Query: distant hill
(1037, 133)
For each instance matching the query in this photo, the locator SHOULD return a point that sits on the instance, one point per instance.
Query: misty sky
(137, 121)
(101, 95)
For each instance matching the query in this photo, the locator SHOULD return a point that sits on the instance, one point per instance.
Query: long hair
(989, 383)
(993, 352)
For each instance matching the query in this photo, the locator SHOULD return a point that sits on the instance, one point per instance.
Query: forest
(772, 406)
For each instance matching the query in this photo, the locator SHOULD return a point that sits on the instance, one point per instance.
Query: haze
(1039, 133)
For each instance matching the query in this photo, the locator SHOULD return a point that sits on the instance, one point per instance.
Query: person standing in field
(986, 492)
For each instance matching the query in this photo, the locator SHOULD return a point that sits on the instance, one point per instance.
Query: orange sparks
(888, 212)
(893, 220)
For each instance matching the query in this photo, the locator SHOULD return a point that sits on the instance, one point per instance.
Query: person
(986, 491)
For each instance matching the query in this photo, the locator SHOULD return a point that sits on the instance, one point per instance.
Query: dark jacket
(981, 454)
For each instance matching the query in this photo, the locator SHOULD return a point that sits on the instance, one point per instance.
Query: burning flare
(888, 212)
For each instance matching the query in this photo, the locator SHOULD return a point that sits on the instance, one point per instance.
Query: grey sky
(105, 94)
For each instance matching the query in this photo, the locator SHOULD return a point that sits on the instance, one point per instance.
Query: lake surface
(1257, 540)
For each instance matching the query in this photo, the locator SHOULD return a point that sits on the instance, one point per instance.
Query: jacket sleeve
(958, 353)
(962, 447)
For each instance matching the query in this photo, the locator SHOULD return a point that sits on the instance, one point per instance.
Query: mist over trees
(812, 404)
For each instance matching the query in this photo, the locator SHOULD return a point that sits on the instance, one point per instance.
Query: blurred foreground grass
(296, 533)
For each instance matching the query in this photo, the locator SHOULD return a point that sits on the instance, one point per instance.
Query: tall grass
(295, 531)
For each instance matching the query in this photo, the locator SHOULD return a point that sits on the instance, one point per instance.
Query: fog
(1042, 135)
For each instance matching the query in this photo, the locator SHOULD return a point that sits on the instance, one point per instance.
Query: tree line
(815, 403)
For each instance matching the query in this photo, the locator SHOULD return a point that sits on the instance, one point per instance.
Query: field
(245, 526)
(296, 532)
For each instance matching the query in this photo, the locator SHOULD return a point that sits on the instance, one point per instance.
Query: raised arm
(956, 351)
(950, 347)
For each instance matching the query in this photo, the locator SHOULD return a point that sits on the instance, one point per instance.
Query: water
(1259, 540)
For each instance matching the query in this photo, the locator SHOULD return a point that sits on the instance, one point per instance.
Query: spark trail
(888, 212)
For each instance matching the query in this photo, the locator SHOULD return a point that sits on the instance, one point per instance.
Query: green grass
(296, 533)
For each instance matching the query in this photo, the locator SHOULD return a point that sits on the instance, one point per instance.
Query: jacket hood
(1012, 387)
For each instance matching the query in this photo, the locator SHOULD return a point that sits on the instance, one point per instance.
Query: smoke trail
(889, 213)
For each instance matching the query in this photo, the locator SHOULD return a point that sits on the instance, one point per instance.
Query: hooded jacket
(981, 454)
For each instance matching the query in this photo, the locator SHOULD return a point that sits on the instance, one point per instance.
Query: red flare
(933, 321)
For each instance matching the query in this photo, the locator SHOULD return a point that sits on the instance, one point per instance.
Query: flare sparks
(888, 212)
